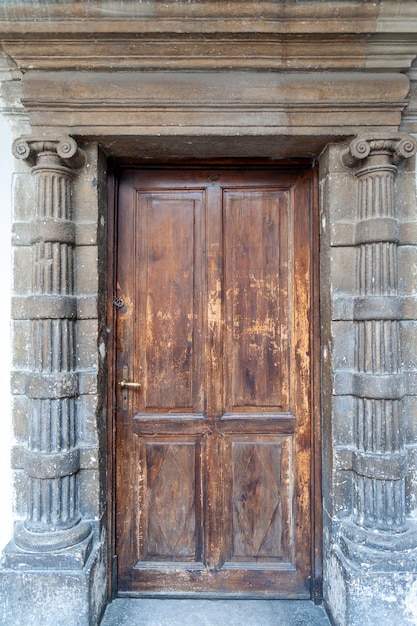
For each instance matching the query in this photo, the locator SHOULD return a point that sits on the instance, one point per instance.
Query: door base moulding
(163, 595)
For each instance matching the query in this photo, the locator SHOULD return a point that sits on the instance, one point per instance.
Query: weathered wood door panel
(213, 450)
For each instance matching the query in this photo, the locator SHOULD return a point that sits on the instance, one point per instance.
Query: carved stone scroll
(380, 457)
(52, 459)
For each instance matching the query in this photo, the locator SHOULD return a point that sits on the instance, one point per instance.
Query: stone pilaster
(52, 458)
(379, 460)
(371, 575)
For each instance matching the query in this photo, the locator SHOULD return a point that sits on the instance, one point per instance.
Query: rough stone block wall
(23, 190)
(337, 283)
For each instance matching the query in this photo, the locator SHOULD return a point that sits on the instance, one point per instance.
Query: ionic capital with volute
(378, 152)
(36, 151)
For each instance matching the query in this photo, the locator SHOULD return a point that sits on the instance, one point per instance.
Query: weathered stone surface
(90, 501)
(344, 585)
(23, 195)
(86, 234)
(167, 103)
(407, 256)
(343, 263)
(22, 260)
(87, 343)
(48, 379)
(187, 612)
(343, 412)
(19, 412)
(278, 35)
(86, 278)
(56, 593)
(87, 307)
(360, 596)
(408, 332)
(87, 427)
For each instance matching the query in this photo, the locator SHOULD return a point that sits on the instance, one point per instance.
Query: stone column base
(53, 589)
(360, 594)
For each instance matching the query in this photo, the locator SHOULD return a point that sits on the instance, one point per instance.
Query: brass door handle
(127, 383)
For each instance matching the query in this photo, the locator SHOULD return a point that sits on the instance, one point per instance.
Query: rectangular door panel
(170, 526)
(256, 287)
(259, 501)
(169, 334)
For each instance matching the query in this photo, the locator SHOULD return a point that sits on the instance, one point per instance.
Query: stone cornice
(157, 15)
(114, 10)
(231, 50)
(289, 35)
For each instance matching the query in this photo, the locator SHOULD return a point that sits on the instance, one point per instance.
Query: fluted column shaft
(52, 458)
(380, 458)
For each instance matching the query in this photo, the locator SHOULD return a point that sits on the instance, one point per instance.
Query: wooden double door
(213, 451)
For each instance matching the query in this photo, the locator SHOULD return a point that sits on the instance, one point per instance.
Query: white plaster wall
(6, 164)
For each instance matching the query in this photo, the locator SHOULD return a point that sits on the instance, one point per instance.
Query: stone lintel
(377, 308)
(132, 104)
(343, 383)
(88, 457)
(54, 307)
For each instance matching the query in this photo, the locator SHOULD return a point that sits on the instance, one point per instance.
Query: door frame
(115, 166)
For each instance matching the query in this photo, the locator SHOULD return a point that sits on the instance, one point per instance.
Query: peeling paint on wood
(214, 455)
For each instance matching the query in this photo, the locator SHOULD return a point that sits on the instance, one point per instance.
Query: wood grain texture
(260, 500)
(213, 452)
(169, 325)
(256, 288)
(172, 484)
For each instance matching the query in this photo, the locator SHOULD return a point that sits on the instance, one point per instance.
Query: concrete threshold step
(167, 612)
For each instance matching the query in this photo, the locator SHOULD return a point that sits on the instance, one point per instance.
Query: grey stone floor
(132, 612)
